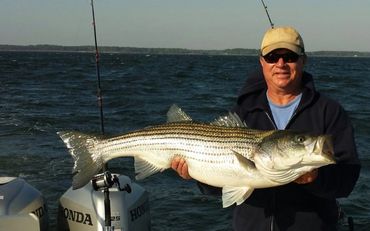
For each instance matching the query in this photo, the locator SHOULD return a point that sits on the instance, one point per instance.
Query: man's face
(283, 69)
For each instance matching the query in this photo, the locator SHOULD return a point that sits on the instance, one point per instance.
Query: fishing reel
(106, 180)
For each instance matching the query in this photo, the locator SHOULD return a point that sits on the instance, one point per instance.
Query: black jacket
(298, 207)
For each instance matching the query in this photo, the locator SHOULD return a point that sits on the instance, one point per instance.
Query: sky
(330, 25)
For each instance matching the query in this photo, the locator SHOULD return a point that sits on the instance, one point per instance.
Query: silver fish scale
(191, 140)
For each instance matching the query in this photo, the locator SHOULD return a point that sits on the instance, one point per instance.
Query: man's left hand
(308, 177)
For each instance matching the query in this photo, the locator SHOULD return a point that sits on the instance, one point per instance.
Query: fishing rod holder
(106, 180)
(103, 182)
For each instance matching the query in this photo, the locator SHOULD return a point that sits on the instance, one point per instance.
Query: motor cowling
(21, 205)
(83, 209)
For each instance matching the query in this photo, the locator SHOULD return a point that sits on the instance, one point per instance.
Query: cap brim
(281, 45)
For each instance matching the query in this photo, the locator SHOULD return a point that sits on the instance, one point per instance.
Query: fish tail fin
(87, 157)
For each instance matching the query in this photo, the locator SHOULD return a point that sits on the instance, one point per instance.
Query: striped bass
(225, 153)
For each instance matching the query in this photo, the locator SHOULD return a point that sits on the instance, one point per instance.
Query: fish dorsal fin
(230, 120)
(232, 195)
(176, 114)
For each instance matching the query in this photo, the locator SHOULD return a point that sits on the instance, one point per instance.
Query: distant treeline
(137, 50)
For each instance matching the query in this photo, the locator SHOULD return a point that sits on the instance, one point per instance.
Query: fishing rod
(99, 92)
(101, 181)
(268, 15)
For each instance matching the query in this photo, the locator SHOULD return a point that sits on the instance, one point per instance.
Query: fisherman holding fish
(282, 96)
(272, 157)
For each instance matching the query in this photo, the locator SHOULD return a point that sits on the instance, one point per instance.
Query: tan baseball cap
(282, 37)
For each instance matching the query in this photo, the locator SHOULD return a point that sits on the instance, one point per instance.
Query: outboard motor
(21, 206)
(83, 209)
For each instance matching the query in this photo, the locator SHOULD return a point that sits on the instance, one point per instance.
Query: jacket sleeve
(338, 180)
(209, 190)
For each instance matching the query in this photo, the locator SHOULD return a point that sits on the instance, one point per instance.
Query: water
(42, 93)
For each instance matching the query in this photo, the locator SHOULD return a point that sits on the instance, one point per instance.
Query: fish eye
(300, 139)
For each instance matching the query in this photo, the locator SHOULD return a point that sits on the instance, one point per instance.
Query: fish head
(294, 150)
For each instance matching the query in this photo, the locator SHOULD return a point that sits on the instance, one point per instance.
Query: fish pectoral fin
(232, 194)
(144, 168)
(244, 161)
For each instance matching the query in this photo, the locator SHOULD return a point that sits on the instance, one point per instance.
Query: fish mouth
(324, 147)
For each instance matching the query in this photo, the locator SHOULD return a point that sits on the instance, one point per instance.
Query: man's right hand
(179, 165)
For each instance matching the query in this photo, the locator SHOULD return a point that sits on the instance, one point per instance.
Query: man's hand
(179, 165)
(308, 177)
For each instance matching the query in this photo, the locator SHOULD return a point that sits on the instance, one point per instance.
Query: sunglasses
(289, 57)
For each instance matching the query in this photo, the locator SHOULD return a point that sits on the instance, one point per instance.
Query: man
(283, 96)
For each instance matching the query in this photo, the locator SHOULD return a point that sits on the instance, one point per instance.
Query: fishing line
(268, 15)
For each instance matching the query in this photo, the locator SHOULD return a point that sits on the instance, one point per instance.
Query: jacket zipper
(271, 120)
(294, 114)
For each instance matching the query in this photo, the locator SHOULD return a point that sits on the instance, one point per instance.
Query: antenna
(268, 15)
